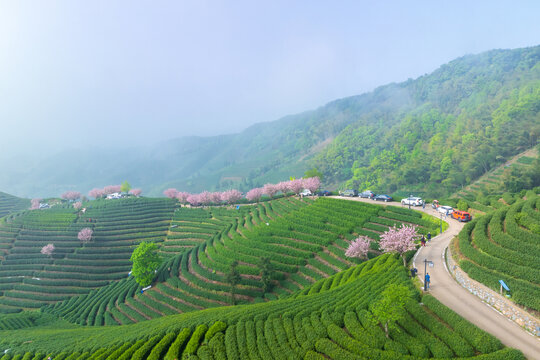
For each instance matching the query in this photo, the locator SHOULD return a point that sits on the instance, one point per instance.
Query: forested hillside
(469, 116)
(432, 134)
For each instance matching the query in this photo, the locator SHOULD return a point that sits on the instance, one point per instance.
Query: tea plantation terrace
(329, 319)
(305, 241)
(505, 245)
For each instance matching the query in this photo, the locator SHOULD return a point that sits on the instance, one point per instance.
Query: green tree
(391, 306)
(313, 173)
(462, 205)
(145, 261)
(125, 187)
(266, 271)
(233, 278)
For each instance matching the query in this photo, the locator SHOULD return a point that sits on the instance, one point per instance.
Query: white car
(447, 210)
(414, 201)
(306, 192)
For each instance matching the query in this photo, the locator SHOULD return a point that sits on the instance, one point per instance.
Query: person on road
(429, 236)
(428, 280)
(423, 205)
(413, 272)
(423, 241)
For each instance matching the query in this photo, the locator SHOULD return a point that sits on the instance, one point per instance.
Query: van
(462, 216)
(349, 192)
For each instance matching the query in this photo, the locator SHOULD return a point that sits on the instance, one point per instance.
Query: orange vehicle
(461, 216)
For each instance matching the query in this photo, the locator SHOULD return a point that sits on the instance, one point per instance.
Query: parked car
(461, 216)
(414, 201)
(349, 192)
(324, 193)
(306, 192)
(447, 210)
(383, 197)
(368, 194)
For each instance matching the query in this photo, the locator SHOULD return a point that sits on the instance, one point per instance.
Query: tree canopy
(145, 261)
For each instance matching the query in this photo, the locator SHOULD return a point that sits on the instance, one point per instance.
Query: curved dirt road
(453, 295)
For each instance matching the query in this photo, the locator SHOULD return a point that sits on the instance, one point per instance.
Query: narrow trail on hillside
(450, 293)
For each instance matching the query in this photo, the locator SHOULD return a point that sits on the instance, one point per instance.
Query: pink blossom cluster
(77, 205)
(71, 195)
(359, 247)
(47, 249)
(136, 192)
(85, 235)
(34, 204)
(254, 194)
(97, 193)
(399, 240)
(204, 198)
(295, 186)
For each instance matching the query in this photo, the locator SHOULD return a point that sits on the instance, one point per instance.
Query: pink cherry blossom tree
(270, 189)
(312, 183)
(284, 187)
(231, 196)
(48, 249)
(297, 185)
(194, 199)
(110, 189)
(85, 235)
(96, 193)
(34, 204)
(216, 197)
(170, 193)
(399, 240)
(182, 197)
(359, 247)
(254, 194)
(71, 195)
(135, 192)
(77, 205)
(205, 198)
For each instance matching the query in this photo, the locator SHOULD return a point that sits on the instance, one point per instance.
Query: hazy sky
(79, 73)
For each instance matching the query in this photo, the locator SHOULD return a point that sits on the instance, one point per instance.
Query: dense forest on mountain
(459, 122)
(431, 135)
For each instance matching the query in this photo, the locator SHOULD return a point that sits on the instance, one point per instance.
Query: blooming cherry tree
(194, 199)
(71, 195)
(171, 193)
(85, 235)
(135, 192)
(231, 196)
(110, 189)
(205, 198)
(312, 183)
(77, 205)
(399, 240)
(96, 193)
(254, 194)
(34, 204)
(216, 197)
(48, 249)
(182, 197)
(270, 189)
(284, 186)
(359, 247)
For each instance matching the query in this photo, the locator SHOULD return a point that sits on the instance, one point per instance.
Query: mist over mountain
(444, 128)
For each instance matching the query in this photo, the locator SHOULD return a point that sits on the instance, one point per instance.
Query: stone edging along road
(450, 293)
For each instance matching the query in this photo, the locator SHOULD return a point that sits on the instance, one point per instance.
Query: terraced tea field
(305, 241)
(323, 321)
(505, 245)
(10, 204)
(488, 183)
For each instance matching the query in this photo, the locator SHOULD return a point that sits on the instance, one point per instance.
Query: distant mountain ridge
(433, 134)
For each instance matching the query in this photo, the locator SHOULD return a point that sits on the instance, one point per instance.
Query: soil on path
(450, 293)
